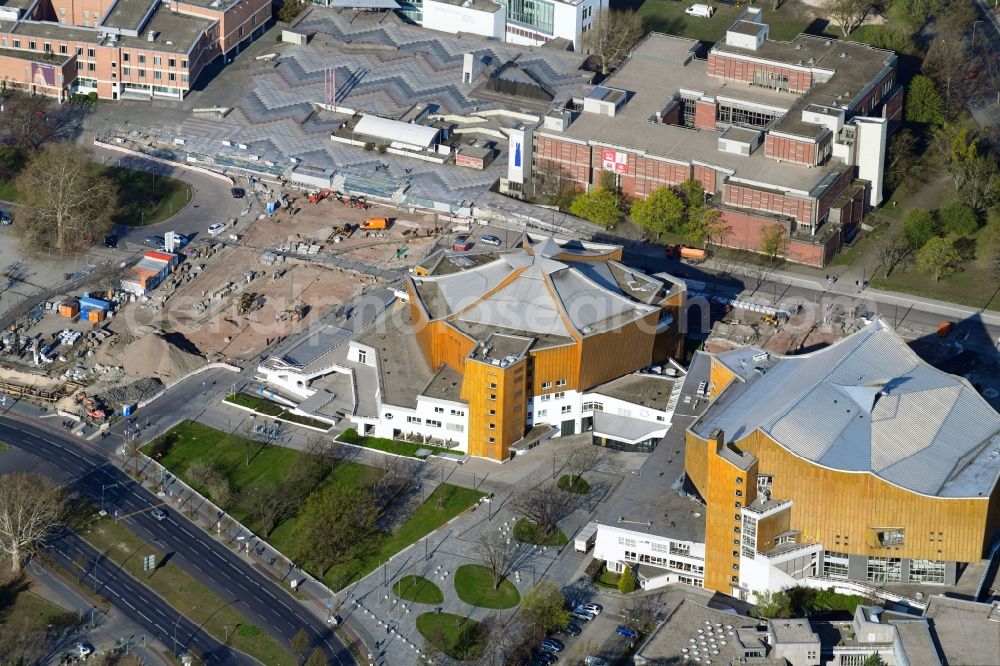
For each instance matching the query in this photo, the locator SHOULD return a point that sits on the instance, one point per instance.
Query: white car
(83, 650)
(700, 10)
(593, 609)
(591, 660)
(216, 229)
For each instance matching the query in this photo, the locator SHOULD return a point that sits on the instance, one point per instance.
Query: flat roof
(694, 631)
(746, 28)
(54, 31)
(175, 33)
(446, 384)
(128, 14)
(967, 632)
(643, 389)
(659, 68)
(16, 4)
(792, 630)
(404, 370)
(479, 5)
(35, 56)
(395, 130)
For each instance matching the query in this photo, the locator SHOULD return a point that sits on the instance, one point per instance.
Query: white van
(703, 11)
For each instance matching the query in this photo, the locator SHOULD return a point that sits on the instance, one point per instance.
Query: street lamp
(179, 616)
(109, 485)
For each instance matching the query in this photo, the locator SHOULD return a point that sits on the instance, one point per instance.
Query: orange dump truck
(685, 252)
(374, 223)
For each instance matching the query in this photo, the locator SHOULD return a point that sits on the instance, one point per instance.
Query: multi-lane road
(213, 564)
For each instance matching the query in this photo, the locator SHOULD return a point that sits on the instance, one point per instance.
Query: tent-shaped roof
(865, 404)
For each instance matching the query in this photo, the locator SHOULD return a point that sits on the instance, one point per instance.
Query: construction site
(92, 352)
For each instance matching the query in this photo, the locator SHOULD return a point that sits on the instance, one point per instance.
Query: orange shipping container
(95, 316)
(69, 310)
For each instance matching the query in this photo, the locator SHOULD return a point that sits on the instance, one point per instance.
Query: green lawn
(575, 484)
(972, 286)
(668, 16)
(608, 578)
(395, 446)
(268, 408)
(427, 518)
(184, 593)
(526, 531)
(458, 637)
(474, 585)
(193, 442)
(418, 589)
(145, 198)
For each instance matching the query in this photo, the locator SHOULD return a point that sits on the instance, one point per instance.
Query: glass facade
(835, 565)
(535, 14)
(926, 571)
(884, 569)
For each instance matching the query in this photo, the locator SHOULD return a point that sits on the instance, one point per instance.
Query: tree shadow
(9, 592)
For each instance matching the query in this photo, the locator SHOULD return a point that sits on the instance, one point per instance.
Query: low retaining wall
(160, 160)
(210, 366)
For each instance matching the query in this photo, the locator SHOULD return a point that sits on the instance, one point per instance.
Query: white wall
(454, 18)
(568, 21)
(870, 153)
(612, 542)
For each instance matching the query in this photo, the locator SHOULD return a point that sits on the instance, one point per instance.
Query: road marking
(143, 615)
(287, 607)
(126, 602)
(268, 593)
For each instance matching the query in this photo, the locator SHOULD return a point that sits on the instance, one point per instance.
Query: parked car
(583, 616)
(553, 645)
(626, 632)
(591, 660)
(700, 10)
(238, 192)
(593, 609)
(490, 239)
(6, 219)
(545, 657)
(159, 514)
(153, 241)
(571, 630)
(83, 650)
(216, 229)
(111, 241)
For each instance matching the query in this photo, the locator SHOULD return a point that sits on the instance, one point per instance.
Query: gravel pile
(131, 393)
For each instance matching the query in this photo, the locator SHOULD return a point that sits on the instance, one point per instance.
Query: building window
(157, 60)
(493, 385)
(62, 47)
(142, 59)
(362, 356)
(114, 65)
(565, 409)
(157, 74)
(455, 427)
(927, 571)
(47, 47)
(125, 57)
(493, 396)
(493, 426)
(773, 80)
(736, 115)
(91, 67)
(535, 14)
(593, 407)
(883, 569)
(492, 440)
(184, 78)
(184, 63)
(91, 53)
(439, 410)
(414, 419)
(31, 46)
(493, 412)
(142, 73)
(559, 395)
(542, 413)
(560, 382)
(79, 65)
(835, 565)
(545, 398)
(172, 62)
(889, 538)
(432, 423)
(86, 14)
(749, 536)
(459, 412)
(126, 71)
(241, 31)
(17, 43)
(546, 386)
(62, 11)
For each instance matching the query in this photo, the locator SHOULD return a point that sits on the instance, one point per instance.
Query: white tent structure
(405, 136)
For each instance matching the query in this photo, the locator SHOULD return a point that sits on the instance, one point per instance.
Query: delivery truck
(375, 223)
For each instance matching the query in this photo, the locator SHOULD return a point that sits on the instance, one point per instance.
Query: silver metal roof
(867, 403)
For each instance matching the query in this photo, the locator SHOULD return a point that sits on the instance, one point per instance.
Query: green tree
(774, 242)
(317, 658)
(545, 606)
(608, 180)
(955, 21)
(333, 521)
(300, 643)
(662, 210)
(939, 257)
(67, 202)
(848, 14)
(957, 218)
(923, 102)
(290, 9)
(626, 582)
(770, 605)
(874, 659)
(599, 206)
(919, 227)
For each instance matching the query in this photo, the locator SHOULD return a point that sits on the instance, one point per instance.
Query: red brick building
(119, 49)
(791, 133)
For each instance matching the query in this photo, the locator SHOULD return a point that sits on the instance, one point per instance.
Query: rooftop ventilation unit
(151, 36)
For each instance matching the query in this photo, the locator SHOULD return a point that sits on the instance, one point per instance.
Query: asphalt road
(144, 607)
(208, 561)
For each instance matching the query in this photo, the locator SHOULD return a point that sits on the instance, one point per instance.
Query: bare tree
(268, 507)
(544, 505)
(892, 252)
(848, 14)
(67, 203)
(582, 459)
(30, 506)
(498, 553)
(947, 62)
(612, 35)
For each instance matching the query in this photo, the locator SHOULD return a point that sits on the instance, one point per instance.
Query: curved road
(210, 562)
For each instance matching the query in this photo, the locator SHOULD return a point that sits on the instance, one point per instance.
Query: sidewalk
(109, 630)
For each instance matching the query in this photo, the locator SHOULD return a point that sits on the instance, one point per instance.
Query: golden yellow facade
(496, 406)
(845, 511)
